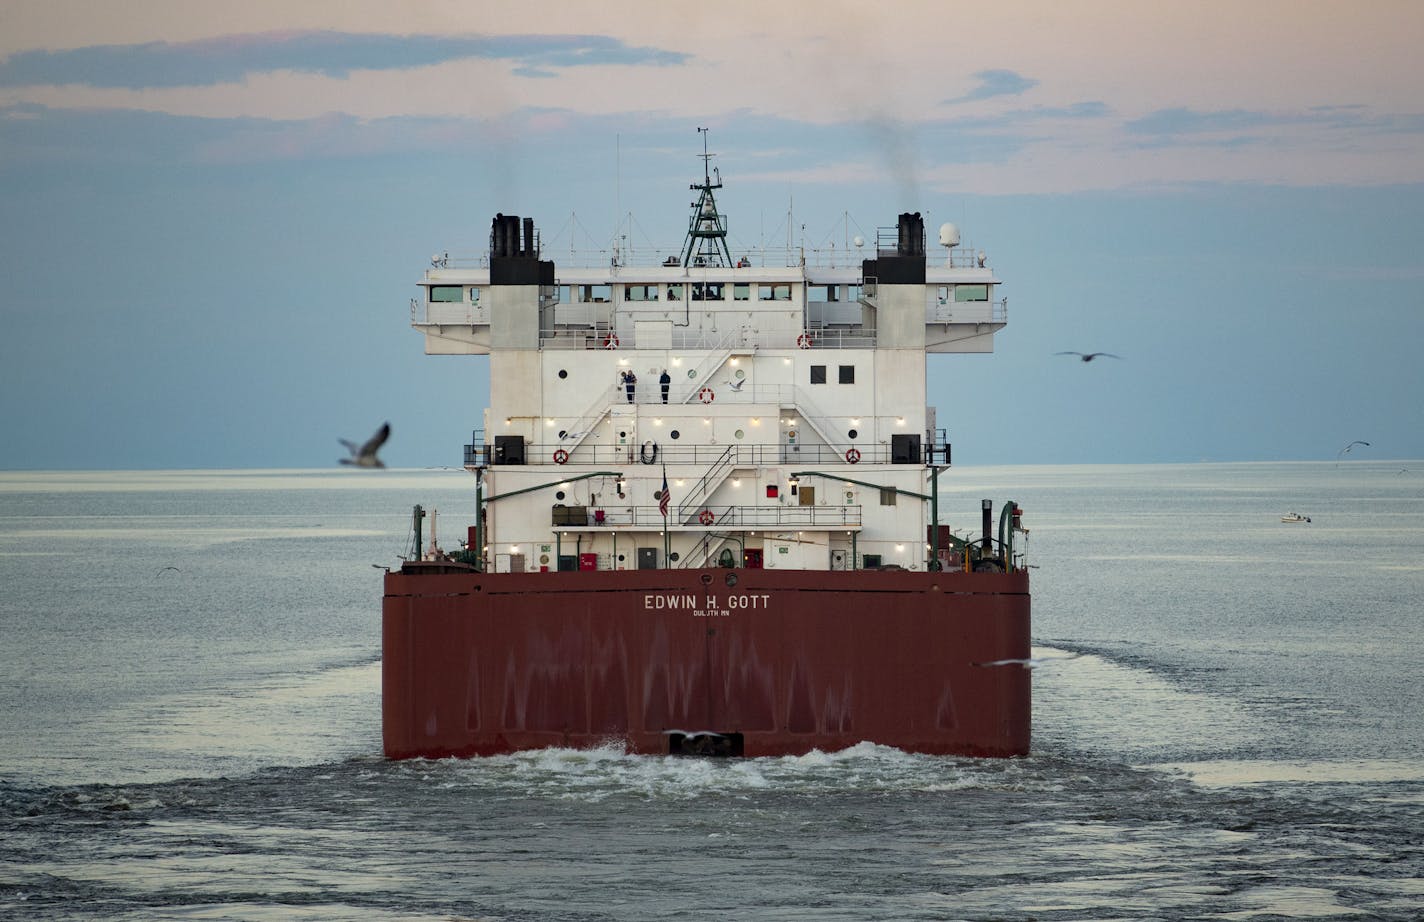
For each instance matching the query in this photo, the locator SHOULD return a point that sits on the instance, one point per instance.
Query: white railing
(937, 311)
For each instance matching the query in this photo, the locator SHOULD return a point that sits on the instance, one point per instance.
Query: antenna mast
(707, 230)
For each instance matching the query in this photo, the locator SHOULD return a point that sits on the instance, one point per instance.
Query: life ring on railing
(611, 342)
(707, 395)
(853, 456)
(561, 456)
(706, 517)
(803, 341)
(648, 453)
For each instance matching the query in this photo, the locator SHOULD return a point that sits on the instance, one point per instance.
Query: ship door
(751, 558)
(838, 559)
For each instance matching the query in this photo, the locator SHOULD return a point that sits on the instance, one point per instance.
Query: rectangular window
(818, 374)
(444, 294)
(852, 292)
(887, 496)
(971, 292)
(640, 292)
(742, 292)
(675, 292)
(871, 561)
(710, 291)
(825, 293)
(847, 374)
(774, 292)
(474, 295)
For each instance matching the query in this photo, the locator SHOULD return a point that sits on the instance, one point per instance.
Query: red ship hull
(781, 661)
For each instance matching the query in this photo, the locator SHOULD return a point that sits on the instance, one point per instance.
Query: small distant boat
(1294, 517)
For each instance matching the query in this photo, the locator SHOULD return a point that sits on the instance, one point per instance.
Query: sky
(213, 215)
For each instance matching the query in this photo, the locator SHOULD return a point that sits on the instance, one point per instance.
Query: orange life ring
(706, 517)
(853, 456)
(803, 341)
(560, 456)
(611, 342)
(706, 395)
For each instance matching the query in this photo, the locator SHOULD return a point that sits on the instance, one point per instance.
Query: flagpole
(665, 503)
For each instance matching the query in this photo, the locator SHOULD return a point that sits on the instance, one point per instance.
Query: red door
(751, 558)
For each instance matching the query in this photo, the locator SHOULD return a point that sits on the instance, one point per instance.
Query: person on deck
(630, 382)
(665, 381)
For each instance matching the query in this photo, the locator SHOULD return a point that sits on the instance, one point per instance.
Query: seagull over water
(365, 455)
(1347, 448)
(1089, 356)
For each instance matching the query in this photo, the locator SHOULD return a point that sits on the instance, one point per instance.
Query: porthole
(853, 433)
(692, 372)
(741, 374)
(675, 434)
(739, 434)
(559, 495)
(563, 373)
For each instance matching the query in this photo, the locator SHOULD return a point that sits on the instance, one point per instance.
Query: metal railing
(721, 517)
(742, 455)
(595, 336)
(935, 449)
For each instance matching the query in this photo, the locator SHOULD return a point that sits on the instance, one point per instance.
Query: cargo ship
(706, 513)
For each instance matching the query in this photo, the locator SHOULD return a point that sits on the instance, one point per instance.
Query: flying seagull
(365, 455)
(1089, 356)
(1347, 448)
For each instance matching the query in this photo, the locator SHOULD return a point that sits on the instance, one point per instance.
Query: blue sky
(214, 218)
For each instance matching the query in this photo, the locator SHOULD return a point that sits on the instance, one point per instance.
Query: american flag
(663, 502)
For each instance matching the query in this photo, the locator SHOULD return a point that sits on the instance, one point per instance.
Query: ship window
(742, 292)
(709, 291)
(563, 372)
(474, 295)
(852, 292)
(440, 294)
(818, 374)
(675, 292)
(854, 434)
(887, 496)
(847, 374)
(640, 292)
(675, 434)
(774, 292)
(599, 294)
(971, 292)
(825, 293)
(870, 561)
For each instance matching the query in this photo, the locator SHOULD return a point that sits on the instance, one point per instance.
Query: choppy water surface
(1228, 724)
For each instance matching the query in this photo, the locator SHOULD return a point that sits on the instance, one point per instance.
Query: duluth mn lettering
(711, 606)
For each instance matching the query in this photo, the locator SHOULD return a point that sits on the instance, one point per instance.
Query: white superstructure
(793, 430)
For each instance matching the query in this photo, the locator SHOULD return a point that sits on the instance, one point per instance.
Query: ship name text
(709, 607)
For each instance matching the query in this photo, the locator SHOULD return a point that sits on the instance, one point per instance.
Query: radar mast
(707, 230)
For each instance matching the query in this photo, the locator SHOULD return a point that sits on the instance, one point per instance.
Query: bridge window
(675, 292)
(640, 292)
(774, 292)
(441, 294)
(710, 291)
(742, 292)
(971, 292)
(825, 293)
(599, 294)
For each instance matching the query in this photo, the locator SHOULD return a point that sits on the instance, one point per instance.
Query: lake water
(1228, 722)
